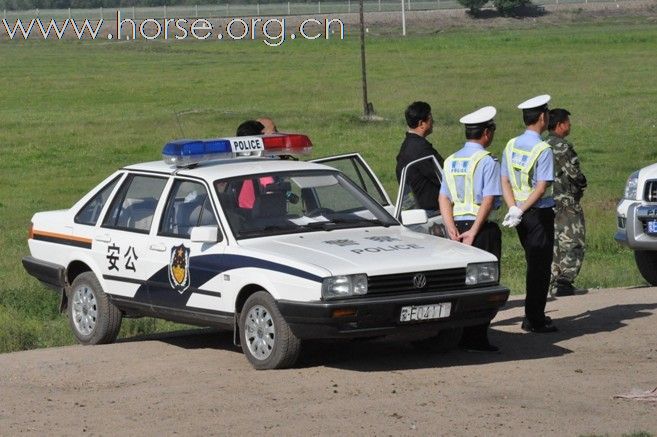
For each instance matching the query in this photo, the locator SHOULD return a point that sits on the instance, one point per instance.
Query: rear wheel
(267, 340)
(92, 317)
(646, 261)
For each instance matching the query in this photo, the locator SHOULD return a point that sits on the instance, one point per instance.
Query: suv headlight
(631, 186)
(335, 287)
(482, 273)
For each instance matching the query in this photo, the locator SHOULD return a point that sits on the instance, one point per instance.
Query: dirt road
(198, 383)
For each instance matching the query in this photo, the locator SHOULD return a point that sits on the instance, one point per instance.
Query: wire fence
(256, 9)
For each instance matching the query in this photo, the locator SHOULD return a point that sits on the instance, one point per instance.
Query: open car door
(357, 169)
(406, 200)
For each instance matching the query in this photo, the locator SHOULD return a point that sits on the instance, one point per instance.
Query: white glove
(511, 222)
(513, 217)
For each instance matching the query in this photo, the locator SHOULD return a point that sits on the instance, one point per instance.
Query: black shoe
(540, 329)
(479, 347)
(565, 290)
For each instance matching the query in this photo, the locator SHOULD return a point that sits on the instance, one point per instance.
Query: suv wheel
(646, 261)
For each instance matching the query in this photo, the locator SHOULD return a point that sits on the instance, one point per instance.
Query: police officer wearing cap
(527, 175)
(471, 190)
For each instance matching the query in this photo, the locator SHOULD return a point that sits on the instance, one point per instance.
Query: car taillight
(30, 231)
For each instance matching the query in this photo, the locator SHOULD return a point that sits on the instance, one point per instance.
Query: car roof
(220, 169)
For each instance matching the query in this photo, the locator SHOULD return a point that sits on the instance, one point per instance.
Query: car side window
(188, 206)
(134, 205)
(90, 212)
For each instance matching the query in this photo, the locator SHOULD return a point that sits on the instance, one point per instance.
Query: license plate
(425, 312)
(652, 227)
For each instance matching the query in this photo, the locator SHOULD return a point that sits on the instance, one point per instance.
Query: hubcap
(84, 310)
(260, 332)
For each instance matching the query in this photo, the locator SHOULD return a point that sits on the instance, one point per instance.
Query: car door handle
(103, 238)
(158, 247)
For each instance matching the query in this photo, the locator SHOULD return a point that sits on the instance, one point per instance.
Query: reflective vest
(523, 161)
(464, 167)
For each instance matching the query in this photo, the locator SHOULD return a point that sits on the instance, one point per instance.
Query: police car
(637, 220)
(228, 233)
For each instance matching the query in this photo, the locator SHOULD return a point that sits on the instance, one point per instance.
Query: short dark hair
(557, 115)
(417, 112)
(530, 116)
(249, 127)
(475, 132)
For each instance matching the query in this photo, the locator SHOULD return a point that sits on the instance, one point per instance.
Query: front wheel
(646, 261)
(93, 318)
(267, 340)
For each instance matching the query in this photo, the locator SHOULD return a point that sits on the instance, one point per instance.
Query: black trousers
(536, 234)
(489, 239)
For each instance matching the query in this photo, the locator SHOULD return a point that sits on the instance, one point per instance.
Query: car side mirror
(205, 234)
(414, 217)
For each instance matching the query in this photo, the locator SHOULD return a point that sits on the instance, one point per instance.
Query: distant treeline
(17, 5)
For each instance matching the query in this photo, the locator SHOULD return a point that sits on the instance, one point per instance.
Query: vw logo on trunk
(419, 280)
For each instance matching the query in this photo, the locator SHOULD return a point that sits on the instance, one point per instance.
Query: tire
(445, 341)
(267, 340)
(91, 315)
(646, 261)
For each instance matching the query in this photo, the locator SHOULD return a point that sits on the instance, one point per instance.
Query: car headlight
(631, 185)
(335, 287)
(482, 273)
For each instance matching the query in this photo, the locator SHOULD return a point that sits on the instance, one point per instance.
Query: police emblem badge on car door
(179, 268)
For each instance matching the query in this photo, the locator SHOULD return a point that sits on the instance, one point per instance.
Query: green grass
(72, 112)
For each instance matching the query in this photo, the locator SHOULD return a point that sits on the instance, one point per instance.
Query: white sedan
(225, 233)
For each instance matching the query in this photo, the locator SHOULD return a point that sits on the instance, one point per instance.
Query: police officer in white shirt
(470, 191)
(527, 175)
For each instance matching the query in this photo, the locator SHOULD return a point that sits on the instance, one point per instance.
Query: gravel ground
(197, 383)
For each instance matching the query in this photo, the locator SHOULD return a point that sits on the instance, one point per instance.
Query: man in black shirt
(422, 177)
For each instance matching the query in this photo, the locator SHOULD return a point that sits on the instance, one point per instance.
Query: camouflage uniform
(569, 230)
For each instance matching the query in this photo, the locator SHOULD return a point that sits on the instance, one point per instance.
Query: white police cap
(480, 116)
(535, 102)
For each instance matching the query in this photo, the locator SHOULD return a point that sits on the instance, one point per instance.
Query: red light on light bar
(287, 144)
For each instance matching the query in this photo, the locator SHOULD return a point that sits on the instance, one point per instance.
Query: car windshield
(294, 202)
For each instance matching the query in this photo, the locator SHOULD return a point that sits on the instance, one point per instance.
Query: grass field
(73, 112)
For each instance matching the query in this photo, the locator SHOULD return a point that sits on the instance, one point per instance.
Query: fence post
(69, 13)
(258, 8)
(227, 9)
(288, 8)
(101, 12)
(319, 6)
(196, 10)
(133, 12)
(379, 5)
(165, 12)
(37, 12)
(403, 19)
(349, 6)
(409, 5)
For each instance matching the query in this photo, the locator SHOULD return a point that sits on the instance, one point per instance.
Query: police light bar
(287, 144)
(185, 153)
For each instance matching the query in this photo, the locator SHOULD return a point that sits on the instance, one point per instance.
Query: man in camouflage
(569, 185)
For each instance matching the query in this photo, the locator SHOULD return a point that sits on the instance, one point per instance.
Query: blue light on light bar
(183, 153)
